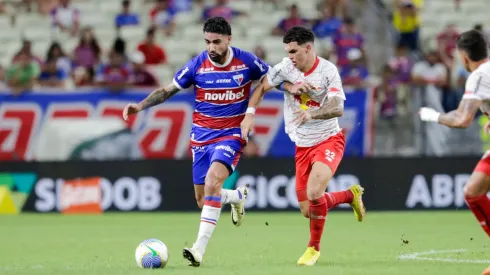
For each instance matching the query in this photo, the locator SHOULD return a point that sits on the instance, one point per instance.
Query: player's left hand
(301, 116)
(429, 114)
(304, 87)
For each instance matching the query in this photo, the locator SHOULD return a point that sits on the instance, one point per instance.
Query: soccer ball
(151, 253)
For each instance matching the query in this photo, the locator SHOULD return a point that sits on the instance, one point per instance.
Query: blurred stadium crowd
(390, 47)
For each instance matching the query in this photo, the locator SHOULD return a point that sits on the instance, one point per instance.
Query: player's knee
(214, 181)
(471, 189)
(315, 191)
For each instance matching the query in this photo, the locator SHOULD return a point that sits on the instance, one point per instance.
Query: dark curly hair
(298, 34)
(474, 44)
(217, 25)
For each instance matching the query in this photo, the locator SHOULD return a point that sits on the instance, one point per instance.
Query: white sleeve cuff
(177, 84)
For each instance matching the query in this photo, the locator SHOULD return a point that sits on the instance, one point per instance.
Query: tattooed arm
(461, 117)
(333, 108)
(158, 96)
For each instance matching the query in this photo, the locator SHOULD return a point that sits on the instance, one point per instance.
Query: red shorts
(484, 164)
(329, 152)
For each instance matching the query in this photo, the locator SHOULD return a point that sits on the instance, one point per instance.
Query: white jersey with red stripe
(325, 78)
(222, 93)
(478, 87)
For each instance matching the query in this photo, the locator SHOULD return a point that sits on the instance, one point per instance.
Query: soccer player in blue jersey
(222, 76)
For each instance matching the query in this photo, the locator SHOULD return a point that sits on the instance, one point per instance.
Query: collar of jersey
(230, 57)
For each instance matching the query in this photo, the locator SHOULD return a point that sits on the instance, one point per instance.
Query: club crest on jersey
(238, 79)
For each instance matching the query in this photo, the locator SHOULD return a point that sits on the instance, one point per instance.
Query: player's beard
(218, 58)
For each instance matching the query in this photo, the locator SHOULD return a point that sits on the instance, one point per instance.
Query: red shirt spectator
(447, 42)
(154, 54)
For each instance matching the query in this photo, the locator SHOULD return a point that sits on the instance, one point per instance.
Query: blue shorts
(226, 152)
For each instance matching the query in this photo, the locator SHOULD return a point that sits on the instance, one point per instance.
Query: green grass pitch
(56, 244)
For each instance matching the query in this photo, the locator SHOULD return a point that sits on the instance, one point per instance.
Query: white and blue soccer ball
(151, 253)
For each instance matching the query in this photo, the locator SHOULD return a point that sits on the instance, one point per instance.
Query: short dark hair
(474, 44)
(298, 34)
(151, 31)
(126, 2)
(217, 25)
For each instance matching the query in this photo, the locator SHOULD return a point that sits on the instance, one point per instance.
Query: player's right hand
(130, 109)
(301, 88)
(247, 125)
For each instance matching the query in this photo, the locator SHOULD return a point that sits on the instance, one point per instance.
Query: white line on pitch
(419, 256)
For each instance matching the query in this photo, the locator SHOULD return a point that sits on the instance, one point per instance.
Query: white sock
(230, 196)
(209, 219)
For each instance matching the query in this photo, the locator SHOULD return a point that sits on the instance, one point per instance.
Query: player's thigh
(479, 182)
(326, 159)
(199, 193)
(224, 159)
(318, 180)
(200, 164)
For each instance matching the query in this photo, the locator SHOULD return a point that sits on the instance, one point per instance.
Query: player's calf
(475, 194)
(317, 183)
(199, 194)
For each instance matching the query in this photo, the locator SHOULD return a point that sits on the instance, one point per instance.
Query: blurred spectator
(327, 25)
(430, 71)
(140, 76)
(401, 64)
(114, 75)
(84, 76)
(462, 75)
(126, 17)
(51, 75)
(119, 47)
(3, 7)
(338, 8)
(407, 22)
(447, 44)
(163, 17)
(88, 51)
(3, 84)
(23, 74)
(221, 9)
(62, 61)
(44, 6)
(65, 17)
(354, 73)
(181, 5)
(479, 27)
(292, 20)
(27, 49)
(346, 39)
(260, 52)
(385, 94)
(154, 54)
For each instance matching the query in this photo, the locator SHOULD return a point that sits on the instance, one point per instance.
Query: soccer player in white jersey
(473, 50)
(313, 100)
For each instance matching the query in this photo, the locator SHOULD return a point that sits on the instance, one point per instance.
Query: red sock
(318, 215)
(336, 198)
(480, 206)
